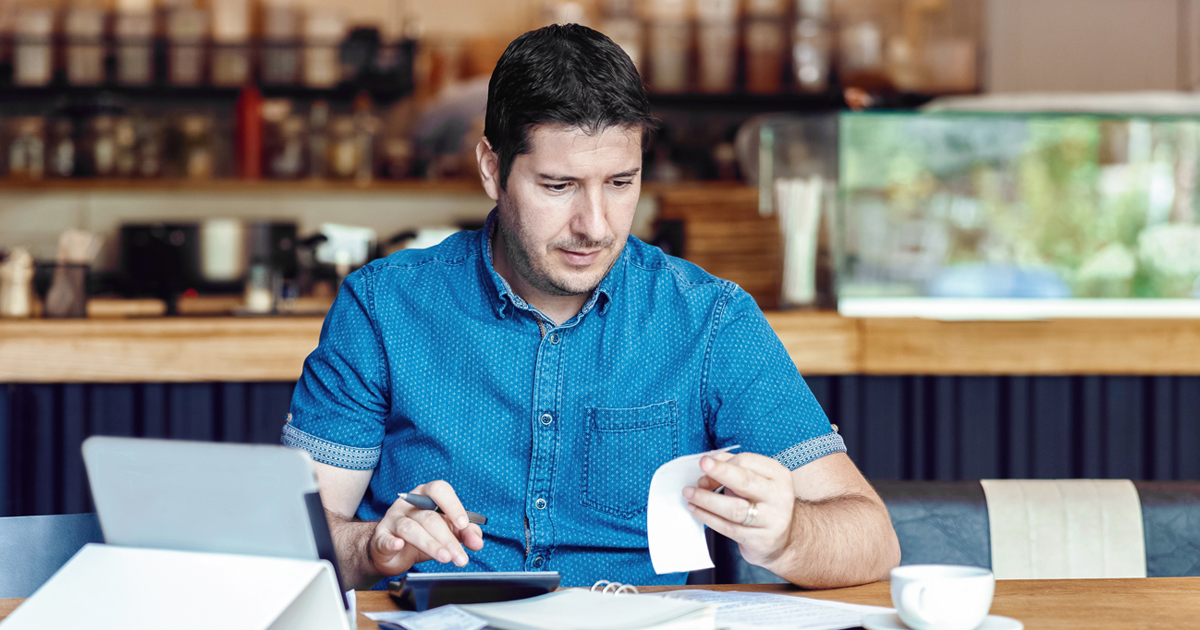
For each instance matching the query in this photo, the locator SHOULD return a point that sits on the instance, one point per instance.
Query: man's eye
(556, 187)
(621, 183)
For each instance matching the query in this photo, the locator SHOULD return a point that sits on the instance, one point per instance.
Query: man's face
(569, 206)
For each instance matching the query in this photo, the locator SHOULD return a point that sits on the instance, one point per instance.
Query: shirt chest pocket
(622, 449)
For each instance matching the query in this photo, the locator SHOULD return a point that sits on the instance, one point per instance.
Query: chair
(34, 547)
(948, 523)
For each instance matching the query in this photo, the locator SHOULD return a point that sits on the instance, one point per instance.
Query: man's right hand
(407, 536)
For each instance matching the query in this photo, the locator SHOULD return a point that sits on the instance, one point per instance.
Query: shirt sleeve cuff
(811, 450)
(326, 452)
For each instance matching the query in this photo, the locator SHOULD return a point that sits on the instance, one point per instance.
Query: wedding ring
(751, 514)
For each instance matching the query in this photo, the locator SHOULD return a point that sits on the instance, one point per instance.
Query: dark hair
(561, 74)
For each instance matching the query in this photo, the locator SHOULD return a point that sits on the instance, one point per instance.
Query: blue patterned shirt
(431, 367)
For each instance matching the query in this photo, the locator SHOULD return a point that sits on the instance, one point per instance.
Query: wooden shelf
(199, 349)
(239, 186)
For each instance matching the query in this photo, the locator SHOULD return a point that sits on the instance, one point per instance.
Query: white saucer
(891, 621)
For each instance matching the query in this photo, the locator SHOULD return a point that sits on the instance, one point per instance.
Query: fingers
(472, 537)
(744, 474)
(430, 533)
(722, 526)
(732, 509)
(708, 483)
(408, 535)
(388, 554)
(446, 499)
(733, 476)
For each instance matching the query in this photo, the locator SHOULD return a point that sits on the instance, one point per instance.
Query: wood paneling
(724, 234)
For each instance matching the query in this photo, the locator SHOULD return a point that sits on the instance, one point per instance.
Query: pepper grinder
(16, 285)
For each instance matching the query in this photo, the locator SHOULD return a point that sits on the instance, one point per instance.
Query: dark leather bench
(947, 523)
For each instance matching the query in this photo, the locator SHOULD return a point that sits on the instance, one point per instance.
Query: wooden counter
(273, 349)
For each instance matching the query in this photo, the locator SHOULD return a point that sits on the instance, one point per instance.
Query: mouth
(580, 258)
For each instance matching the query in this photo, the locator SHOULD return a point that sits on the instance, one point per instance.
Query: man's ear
(489, 168)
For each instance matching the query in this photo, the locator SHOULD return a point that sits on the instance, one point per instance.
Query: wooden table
(1130, 604)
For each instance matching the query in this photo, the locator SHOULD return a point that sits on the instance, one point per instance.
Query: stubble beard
(536, 272)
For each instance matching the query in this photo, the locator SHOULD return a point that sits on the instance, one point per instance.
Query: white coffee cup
(942, 596)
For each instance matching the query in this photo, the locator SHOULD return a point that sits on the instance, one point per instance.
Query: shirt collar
(504, 297)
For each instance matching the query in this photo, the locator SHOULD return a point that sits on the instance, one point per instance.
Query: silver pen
(422, 502)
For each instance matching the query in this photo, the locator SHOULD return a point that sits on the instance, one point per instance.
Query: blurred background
(184, 184)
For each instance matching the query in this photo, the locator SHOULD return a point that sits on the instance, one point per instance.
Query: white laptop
(204, 496)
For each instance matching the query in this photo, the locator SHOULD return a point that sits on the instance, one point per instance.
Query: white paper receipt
(676, 537)
(443, 618)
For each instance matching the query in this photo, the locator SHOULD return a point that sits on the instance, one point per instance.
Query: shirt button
(547, 419)
(554, 338)
(538, 562)
(540, 504)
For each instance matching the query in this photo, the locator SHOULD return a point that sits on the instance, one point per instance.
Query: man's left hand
(756, 509)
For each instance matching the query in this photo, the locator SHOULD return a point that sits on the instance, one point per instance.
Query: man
(538, 371)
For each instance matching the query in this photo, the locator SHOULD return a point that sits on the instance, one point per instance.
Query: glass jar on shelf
(318, 119)
(281, 43)
(125, 143)
(149, 132)
(343, 148)
(625, 32)
(812, 46)
(950, 56)
(27, 149)
(324, 28)
(284, 140)
(862, 33)
(100, 147)
(196, 151)
(717, 43)
(134, 35)
(366, 129)
(60, 160)
(186, 31)
(33, 54)
(84, 28)
(231, 42)
(670, 41)
(766, 46)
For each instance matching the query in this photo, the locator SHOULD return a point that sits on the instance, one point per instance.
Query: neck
(559, 308)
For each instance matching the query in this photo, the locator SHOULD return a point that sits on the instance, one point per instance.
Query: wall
(1090, 45)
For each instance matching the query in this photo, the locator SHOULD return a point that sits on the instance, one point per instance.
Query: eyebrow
(568, 178)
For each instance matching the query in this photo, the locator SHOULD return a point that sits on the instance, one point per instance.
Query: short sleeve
(755, 397)
(340, 405)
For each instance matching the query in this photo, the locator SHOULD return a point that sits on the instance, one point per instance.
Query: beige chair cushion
(1074, 528)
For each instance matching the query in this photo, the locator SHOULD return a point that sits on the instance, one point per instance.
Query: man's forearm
(351, 539)
(840, 541)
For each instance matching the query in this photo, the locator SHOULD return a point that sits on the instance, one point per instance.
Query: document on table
(676, 538)
(768, 611)
(443, 618)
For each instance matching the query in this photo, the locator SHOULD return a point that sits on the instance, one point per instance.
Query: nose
(590, 220)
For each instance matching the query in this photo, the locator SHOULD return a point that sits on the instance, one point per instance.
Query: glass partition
(970, 206)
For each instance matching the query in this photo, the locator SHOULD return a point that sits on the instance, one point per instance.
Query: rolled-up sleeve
(340, 404)
(755, 397)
